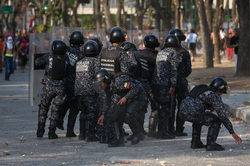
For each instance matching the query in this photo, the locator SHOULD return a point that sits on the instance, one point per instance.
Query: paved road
(20, 146)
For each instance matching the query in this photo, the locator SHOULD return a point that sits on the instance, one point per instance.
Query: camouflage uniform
(52, 89)
(181, 90)
(194, 110)
(86, 96)
(114, 60)
(132, 90)
(140, 68)
(164, 78)
(74, 54)
(150, 55)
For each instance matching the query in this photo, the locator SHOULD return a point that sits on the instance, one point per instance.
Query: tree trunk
(124, 16)
(118, 13)
(218, 20)
(157, 21)
(149, 21)
(140, 11)
(52, 18)
(235, 17)
(243, 68)
(98, 16)
(177, 14)
(65, 13)
(208, 6)
(5, 18)
(75, 16)
(108, 18)
(206, 41)
(181, 19)
(167, 20)
(163, 13)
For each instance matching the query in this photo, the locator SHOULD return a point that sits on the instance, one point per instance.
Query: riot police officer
(164, 82)
(139, 67)
(99, 43)
(193, 109)
(151, 43)
(114, 59)
(127, 97)
(85, 92)
(181, 90)
(74, 54)
(54, 86)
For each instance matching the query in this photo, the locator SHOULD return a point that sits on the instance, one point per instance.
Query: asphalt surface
(20, 146)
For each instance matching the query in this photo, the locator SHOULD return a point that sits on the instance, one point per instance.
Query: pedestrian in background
(192, 38)
(234, 44)
(8, 55)
(22, 53)
(227, 45)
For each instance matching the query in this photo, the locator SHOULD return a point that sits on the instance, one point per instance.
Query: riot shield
(39, 45)
(136, 36)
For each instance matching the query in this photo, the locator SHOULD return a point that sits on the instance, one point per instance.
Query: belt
(9, 55)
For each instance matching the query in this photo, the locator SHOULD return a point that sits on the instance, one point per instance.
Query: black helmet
(219, 84)
(102, 76)
(90, 48)
(178, 33)
(98, 41)
(76, 37)
(116, 34)
(127, 46)
(171, 41)
(151, 41)
(58, 47)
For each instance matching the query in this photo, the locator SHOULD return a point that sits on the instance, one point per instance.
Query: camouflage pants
(57, 94)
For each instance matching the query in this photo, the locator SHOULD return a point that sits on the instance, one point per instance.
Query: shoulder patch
(126, 85)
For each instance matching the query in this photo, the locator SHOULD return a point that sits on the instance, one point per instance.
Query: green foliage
(41, 27)
(88, 22)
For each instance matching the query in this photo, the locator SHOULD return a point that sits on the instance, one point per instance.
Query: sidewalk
(20, 146)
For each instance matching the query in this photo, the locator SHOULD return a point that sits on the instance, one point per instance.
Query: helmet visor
(98, 86)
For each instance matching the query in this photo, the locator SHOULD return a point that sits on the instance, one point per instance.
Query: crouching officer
(127, 97)
(193, 109)
(54, 86)
(85, 92)
(164, 81)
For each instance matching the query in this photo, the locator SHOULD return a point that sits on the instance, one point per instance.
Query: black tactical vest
(150, 55)
(143, 67)
(199, 89)
(58, 67)
(110, 60)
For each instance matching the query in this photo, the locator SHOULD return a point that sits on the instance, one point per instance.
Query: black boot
(82, 134)
(118, 140)
(52, 134)
(42, 116)
(153, 121)
(212, 135)
(59, 124)
(90, 132)
(70, 126)
(40, 130)
(163, 132)
(196, 134)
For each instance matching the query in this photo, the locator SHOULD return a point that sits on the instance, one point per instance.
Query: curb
(240, 112)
